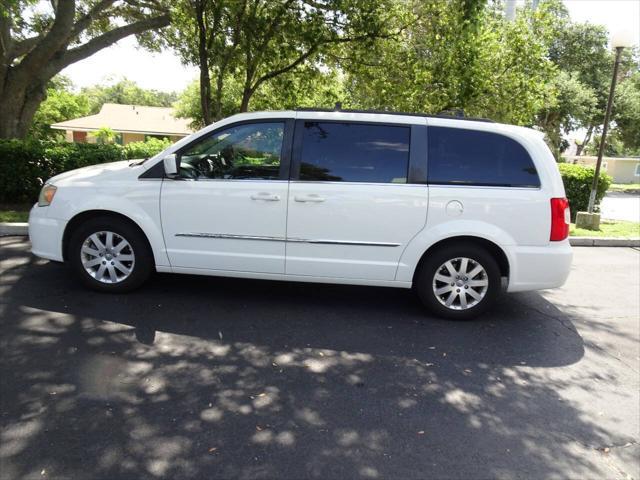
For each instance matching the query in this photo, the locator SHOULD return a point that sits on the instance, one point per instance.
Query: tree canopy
(454, 57)
(540, 69)
(584, 64)
(627, 114)
(254, 42)
(126, 92)
(39, 39)
(307, 87)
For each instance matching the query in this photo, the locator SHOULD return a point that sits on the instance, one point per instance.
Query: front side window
(249, 151)
(470, 157)
(352, 152)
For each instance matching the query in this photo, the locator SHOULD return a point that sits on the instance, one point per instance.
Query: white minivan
(457, 209)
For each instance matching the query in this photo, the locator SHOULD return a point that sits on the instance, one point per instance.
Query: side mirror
(171, 165)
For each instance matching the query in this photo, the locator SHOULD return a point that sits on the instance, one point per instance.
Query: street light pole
(605, 128)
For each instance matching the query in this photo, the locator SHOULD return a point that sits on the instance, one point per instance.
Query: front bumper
(45, 234)
(537, 268)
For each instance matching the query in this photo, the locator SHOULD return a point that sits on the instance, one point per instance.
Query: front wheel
(459, 282)
(110, 255)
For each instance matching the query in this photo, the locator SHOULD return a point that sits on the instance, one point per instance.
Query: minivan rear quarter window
(459, 156)
(354, 152)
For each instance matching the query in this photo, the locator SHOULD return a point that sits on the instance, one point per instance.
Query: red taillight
(560, 219)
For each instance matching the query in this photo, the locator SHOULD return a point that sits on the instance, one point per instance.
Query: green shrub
(577, 184)
(26, 164)
(104, 135)
(69, 156)
(146, 149)
(23, 166)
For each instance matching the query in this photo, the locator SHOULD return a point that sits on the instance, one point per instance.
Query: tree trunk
(19, 105)
(587, 139)
(248, 89)
(205, 95)
(217, 104)
(246, 97)
(203, 63)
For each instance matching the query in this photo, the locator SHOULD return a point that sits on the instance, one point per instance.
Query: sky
(164, 71)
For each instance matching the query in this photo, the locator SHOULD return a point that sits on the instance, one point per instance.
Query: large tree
(256, 41)
(456, 55)
(307, 86)
(571, 108)
(627, 113)
(579, 50)
(584, 65)
(39, 39)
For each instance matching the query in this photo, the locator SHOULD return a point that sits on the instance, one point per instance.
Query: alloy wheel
(107, 257)
(460, 283)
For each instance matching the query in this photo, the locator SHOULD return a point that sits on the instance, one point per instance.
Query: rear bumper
(45, 234)
(537, 268)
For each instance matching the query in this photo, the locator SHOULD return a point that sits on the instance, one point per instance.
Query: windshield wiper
(140, 162)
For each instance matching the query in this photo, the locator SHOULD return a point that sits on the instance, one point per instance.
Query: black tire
(424, 282)
(141, 268)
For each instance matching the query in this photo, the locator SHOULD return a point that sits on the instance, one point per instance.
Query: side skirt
(283, 277)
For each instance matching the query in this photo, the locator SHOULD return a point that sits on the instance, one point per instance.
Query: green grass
(14, 212)
(609, 228)
(625, 187)
(13, 216)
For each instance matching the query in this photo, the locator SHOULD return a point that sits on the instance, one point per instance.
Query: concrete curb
(14, 229)
(23, 229)
(604, 242)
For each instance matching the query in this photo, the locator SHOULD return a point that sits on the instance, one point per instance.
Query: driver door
(227, 211)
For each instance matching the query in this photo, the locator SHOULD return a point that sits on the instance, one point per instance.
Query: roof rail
(455, 114)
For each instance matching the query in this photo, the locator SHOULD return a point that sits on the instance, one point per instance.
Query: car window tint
(351, 152)
(471, 157)
(250, 151)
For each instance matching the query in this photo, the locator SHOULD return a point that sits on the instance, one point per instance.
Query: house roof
(130, 119)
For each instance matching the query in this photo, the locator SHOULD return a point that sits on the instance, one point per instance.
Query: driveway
(621, 206)
(195, 377)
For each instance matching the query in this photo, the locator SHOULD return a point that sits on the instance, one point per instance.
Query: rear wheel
(110, 255)
(459, 281)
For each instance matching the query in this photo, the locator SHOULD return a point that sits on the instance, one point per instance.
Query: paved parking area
(621, 206)
(195, 377)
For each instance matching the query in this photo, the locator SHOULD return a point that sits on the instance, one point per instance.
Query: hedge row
(577, 184)
(26, 164)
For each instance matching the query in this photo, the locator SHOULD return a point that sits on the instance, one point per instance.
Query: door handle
(309, 198)
(267, 197)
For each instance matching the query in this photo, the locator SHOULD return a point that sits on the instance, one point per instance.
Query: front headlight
(46, 195)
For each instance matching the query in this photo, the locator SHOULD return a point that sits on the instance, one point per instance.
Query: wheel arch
(493, 248)
(82, 217)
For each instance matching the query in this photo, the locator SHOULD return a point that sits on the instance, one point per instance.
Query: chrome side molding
(344, 242)
(283, 239)
(229, 236)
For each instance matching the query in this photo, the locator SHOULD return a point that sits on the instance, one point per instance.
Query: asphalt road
(195, 377)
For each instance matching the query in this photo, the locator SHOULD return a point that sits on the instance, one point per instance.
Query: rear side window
(352, 152)
(470, 157)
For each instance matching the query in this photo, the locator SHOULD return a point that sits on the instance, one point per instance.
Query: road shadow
(198, 377)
